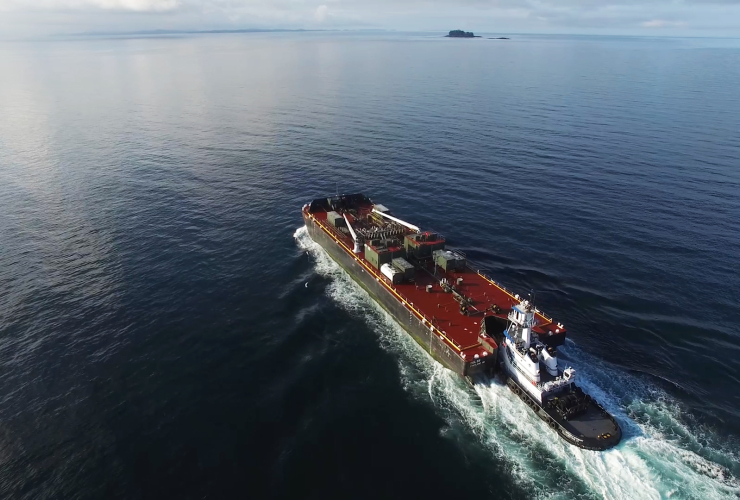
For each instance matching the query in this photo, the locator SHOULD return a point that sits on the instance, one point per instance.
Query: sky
(22, 18)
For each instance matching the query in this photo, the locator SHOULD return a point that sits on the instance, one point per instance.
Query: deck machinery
(458, 314)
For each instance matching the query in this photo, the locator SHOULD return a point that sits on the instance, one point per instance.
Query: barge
(462, 317)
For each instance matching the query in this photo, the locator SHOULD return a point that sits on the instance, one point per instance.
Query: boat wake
(661, 455)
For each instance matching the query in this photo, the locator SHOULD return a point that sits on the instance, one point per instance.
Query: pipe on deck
(396, 219)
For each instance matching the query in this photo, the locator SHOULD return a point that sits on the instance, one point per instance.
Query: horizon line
(156, 32)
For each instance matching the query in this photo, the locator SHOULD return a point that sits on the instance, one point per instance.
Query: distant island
(461, 34)
(499, 38)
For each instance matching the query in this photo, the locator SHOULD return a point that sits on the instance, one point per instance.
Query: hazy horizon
(34, 18)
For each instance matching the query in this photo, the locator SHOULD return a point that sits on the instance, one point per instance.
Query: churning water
(661, 457)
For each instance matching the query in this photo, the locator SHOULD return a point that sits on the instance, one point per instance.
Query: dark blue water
(167, 330)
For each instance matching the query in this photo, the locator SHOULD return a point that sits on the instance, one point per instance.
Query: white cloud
(322, 11)
(662, 23)
(57, 5)
(138, 5)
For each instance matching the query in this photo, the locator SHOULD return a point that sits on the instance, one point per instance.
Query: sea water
(167, 329)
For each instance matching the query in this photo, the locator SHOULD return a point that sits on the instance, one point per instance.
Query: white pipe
(354, 236)
(395, 219)
(526, 336)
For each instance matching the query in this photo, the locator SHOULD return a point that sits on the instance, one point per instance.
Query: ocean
(168, 329)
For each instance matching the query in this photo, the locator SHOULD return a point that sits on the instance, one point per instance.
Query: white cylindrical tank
(551, 362)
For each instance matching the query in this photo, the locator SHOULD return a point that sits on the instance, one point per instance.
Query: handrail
(470, 264)
(511, 294)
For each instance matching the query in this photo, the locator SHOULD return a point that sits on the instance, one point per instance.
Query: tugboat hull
(593, 430)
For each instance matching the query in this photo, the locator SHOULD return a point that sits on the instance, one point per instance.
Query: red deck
(438, 308)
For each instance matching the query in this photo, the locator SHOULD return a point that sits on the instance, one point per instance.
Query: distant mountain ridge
(188, 32)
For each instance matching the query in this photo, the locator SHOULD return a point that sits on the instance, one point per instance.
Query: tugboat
(463, 318)
(533, 374)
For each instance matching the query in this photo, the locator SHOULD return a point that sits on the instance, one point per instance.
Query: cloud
(321, 12)
(60, 5)
(137, 5)
(662, 23)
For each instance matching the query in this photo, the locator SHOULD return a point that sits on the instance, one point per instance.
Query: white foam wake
(650, 462)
